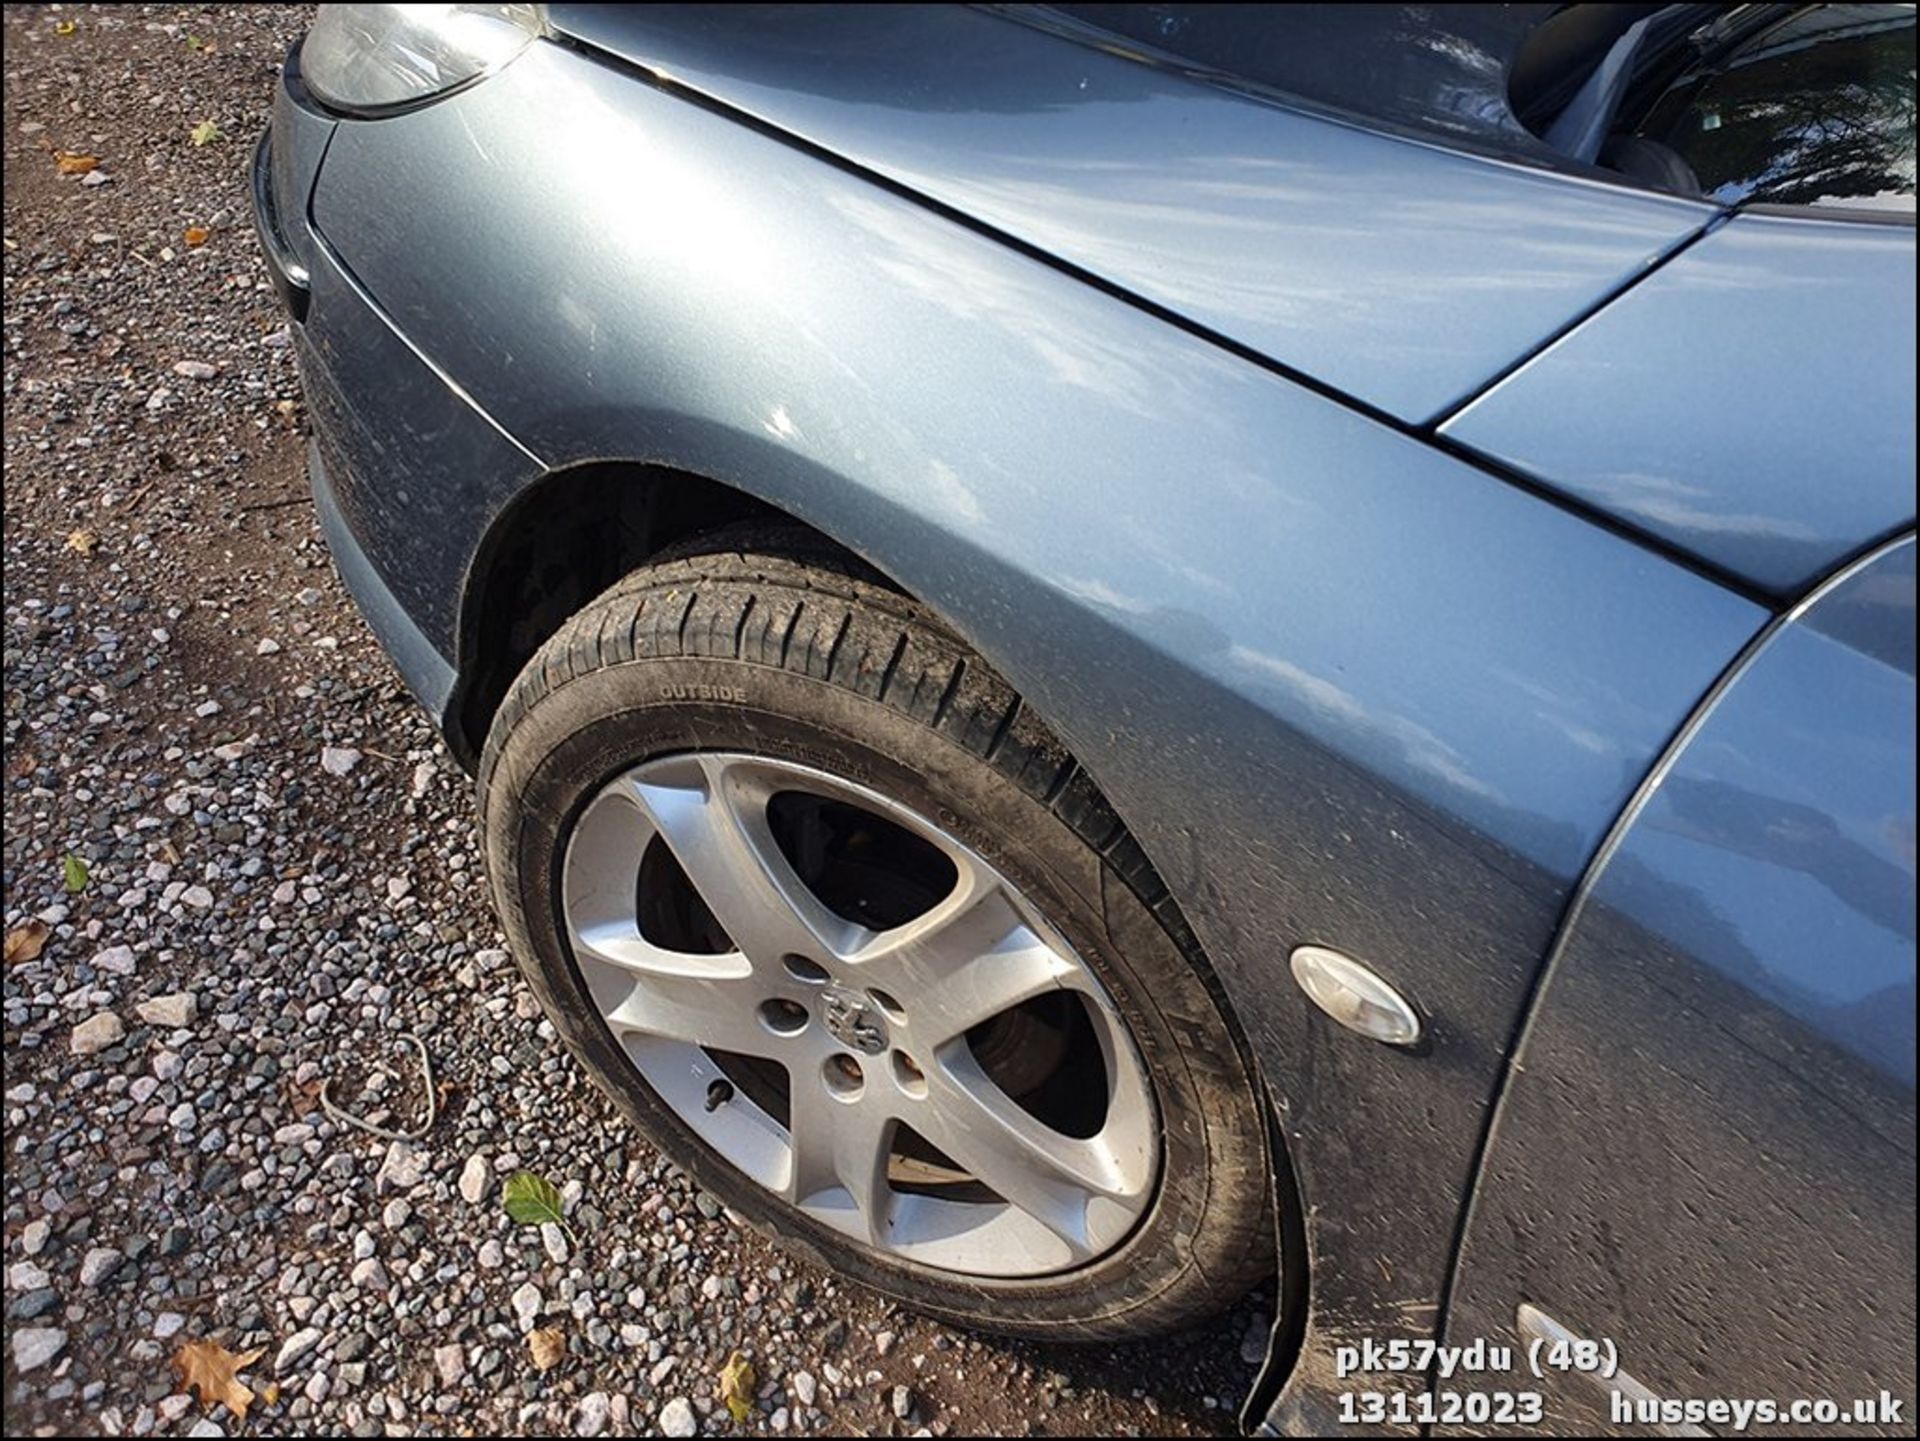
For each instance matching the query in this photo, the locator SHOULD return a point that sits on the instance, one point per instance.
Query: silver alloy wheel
(897, 1130)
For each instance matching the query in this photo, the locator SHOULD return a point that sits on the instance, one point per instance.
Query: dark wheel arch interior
(562, 541)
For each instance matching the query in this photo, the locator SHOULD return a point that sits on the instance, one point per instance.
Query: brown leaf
(24, 943)
(303, 1097)
(736, 1386)
(214, 1371)
(548, 1347)
(83, 541)
(197, 235)
(72, 164)
(64, 27)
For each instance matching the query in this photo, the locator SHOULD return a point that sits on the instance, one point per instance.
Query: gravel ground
(282, 886)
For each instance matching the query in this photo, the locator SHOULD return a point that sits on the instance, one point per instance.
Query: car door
(1704, 1158)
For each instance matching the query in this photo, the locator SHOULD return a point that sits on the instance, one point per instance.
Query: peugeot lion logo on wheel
(852, 1021)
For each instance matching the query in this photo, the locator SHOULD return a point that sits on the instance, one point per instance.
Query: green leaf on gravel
(75, 871)
(205, 133)
(531, 1200)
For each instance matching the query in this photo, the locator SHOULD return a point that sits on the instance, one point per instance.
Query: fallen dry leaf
(64, 27)
(548, 1347)
(736, 1386)
(205, 133)
(304, 1097)
(24, 943)
(197, 235)
(72, 164)
(83, 541)
(214, 1371)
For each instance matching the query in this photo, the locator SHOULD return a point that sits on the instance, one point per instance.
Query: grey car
(1115, 652)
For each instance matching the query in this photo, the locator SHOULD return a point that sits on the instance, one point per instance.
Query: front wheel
(848, 935)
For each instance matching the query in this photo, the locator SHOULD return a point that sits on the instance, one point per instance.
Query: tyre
(846, 932)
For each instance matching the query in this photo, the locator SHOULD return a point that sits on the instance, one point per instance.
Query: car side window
(1815, 109)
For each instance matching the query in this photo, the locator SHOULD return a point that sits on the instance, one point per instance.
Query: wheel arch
(579, 529)
(560, 541)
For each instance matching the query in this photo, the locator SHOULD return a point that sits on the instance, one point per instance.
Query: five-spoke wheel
(844, 1001)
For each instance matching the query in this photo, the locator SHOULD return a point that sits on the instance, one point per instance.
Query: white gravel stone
(450, 1362)
(591, 1418)
(526, 1305)
(803, 1386)
(199, 897)
(400, 1169)
(34, 1346)
(677, 1418)
(295, 1348)
(555, 1241)
(338, 760)
(195, 369)
(96, 1033)
(34, 1236)
(99, 1264)
(118, 960)
(397, 1213)
(473, 1179)
(26, 1276)
(173, 1012)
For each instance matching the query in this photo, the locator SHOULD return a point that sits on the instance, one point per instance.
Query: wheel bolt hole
(783, 1017)
(843, 1075)
(908, 1076)
(802, 969)
(893, 1009)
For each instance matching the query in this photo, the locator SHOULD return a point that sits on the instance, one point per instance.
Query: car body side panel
(1751, 402)
(1400, 273)
(1344, 688)
(1706, 1152)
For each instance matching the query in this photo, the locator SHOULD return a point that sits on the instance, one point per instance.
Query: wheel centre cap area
(853, 1020)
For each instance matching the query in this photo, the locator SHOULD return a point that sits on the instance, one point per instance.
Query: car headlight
(375, 59)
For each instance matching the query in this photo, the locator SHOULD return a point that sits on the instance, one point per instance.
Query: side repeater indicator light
(1355, 996)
